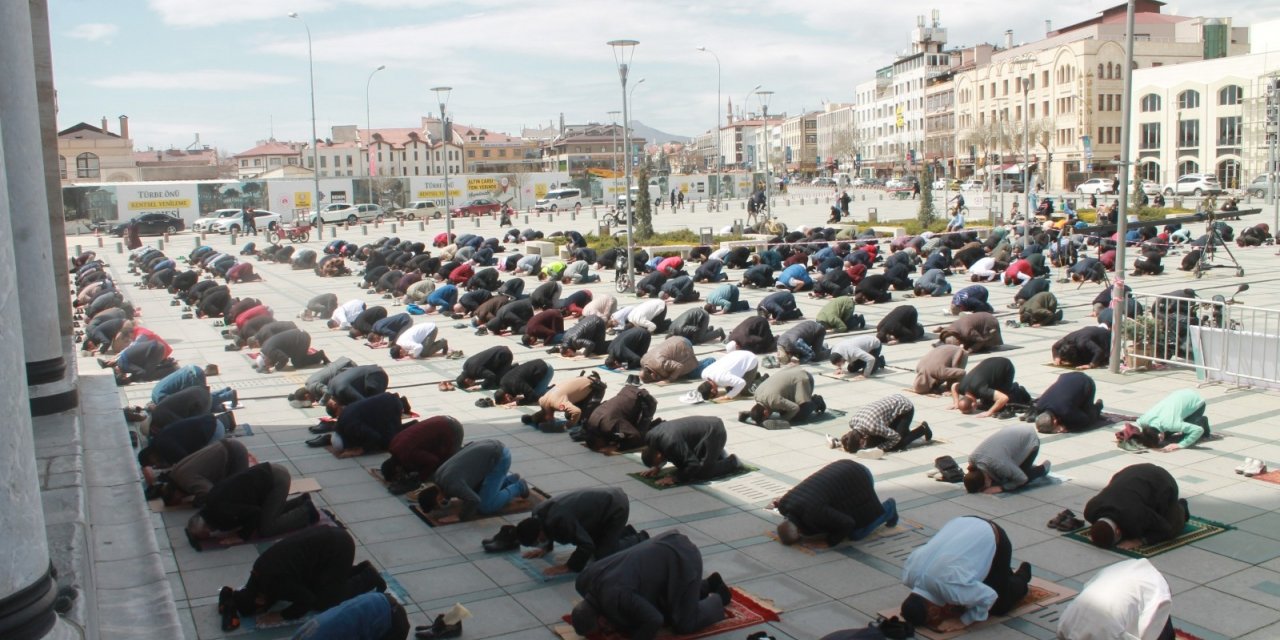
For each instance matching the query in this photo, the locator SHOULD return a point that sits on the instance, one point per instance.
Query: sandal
(446, 386)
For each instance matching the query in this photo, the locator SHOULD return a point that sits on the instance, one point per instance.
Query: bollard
(78, 251)
(526, 218)
(693, 207)
(393, 227)
(195, 242)
(119, 247)
(882, 196)
(160, 243)
(573, 216)
(864, 197)
(802, 202)
(233, 237)
(788, 201)
(364, 229)
(476, 220)
(99, 242)
(422, 225)
(166, 236)
(376, 222)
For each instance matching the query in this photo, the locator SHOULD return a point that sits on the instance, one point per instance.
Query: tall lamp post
(1026, 152)
(764, 97)
(1118, 296)
(623, 50)
(442, 94)
(716, 196)
(613, 132)
(315, 150)
(368, 131)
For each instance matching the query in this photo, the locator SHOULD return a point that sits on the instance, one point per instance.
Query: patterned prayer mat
(1195, 530)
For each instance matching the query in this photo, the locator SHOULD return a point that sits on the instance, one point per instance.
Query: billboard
(178, 199)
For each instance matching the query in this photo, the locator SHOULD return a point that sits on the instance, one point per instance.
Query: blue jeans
(702, 365)
(498, 488)
(223, 396)
(543, 384)
(802, 350)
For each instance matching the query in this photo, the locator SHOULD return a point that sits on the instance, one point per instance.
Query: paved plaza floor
(1227, 586)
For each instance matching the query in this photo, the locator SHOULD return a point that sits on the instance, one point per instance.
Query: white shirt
(949, 569)
(984, 266)
(602, 305)
(347, 313)
(730, 371)
(412, 339)
(1128, 600)
(858, 348)
(642, 315)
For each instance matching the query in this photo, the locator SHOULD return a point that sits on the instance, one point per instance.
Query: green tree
(927, 214)
(643, 205)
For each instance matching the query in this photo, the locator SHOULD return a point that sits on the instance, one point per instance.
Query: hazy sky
(235, 71)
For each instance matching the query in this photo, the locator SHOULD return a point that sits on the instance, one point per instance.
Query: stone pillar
(28, 218)
(47, 99)
(27, 589)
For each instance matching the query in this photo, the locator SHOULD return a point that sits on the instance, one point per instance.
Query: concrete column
(27, 589)
(47, 98)
(28, 217)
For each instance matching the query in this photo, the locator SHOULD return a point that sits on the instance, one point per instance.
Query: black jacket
(834, 501)
(1138, 499)
(487, 367)
(642, 587)
(586, 518)
(370, 423)
(520, 380)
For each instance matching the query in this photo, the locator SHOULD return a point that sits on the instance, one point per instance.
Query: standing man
(844, 203)
(250, 221)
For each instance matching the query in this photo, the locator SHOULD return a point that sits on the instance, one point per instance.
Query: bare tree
(1042, 131)
(845, 145)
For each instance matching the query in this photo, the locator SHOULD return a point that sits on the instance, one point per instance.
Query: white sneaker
(1247, 461)
(1254, 468)
(873, 453)
(833, 441)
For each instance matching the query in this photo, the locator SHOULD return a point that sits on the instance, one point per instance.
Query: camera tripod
(1209, 253)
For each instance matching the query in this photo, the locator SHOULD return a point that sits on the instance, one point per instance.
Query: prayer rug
(813, 545)
(1196, 529)
(614, 452)
(1040, 594)
(1183, 635)
(533, 567)
(744, 469)
(519, 505)
(296, 487)
(743, 611)
(327, 519)
(1270, 476)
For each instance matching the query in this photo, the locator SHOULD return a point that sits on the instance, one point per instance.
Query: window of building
(379, 156)
(257, 162)
(1229, 174)
(1149, 136)
(1149, 171)
(471, 153)
(1188, 134)
(1188, 166)
(62, 167)
(275, 162)
(349, 159)
(293, 162)
(1189, 99)
(1229, 131)
(244, 162)
(1101, 71)
(484, 153)
(1230, 95)
(324, 161)
(1150, 102)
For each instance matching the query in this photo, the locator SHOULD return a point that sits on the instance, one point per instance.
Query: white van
(563, 199)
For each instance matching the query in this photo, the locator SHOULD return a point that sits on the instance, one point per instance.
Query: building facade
(836, 137)
(93, 154)
(269, 155)
(799, 144)
(1203, 117)
(592, 147)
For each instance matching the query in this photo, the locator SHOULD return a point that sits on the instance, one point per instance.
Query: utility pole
(1118, 302)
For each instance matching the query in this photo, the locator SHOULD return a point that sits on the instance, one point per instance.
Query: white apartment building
(837, 137)
(1073, 106)
(1203, 117)
(799, 144)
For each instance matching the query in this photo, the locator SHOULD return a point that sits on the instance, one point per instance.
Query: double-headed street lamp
(442, 94)
(368, 131)
(716, 196)
(623, 50)
(764, 97)
(315, 151)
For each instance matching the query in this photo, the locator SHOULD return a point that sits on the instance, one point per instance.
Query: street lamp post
(315, 151)
(742, 106)
(764, 97)
(368, 131)
(613, 133)
(1026, 151)
(716, 196)
(623, 50)
(442, 94)
(1118, 295)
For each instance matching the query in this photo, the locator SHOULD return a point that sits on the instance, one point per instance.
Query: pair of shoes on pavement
(503, 541)
(438, 629)
(1252, 467)
(1066, 522)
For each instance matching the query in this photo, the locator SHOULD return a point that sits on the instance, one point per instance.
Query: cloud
(204, 13)
(94, 32)
(197, 79)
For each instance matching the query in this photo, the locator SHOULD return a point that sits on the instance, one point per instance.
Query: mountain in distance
(654, 136)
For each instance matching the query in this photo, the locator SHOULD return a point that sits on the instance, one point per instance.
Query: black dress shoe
(504, 540)
(321, 427)
(323, 440)
(439, 629)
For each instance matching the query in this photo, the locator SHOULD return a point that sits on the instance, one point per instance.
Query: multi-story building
(1074, 84)
(269, 155)
(837, 137)
(91, 154)
(799, 144)
(181, 164)
(581, 148)
(743, 141)
(1203, 117)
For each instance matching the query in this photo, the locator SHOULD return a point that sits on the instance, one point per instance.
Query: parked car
(1194, 184)
(973, 184)
(477, 206)
(824, 182)
(152, 224)
(262, 219)
(896, 183)
(945, 184)
(1260, 187)
(351, 213)
(1095, 186)
(561, 200)
(1150, 188)
(426, 209)
(1010, 186)
(204, 223)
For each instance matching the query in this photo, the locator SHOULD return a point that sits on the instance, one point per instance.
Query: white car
(1150, 188)
(972, 185)
(895, 183)
(350, 213)
(425, 209)
(823, 182)
(1194, 184)
(262, 219)
(1095, 186)
(205, 223)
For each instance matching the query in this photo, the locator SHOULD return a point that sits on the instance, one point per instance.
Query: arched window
(87, 166)
(1230, 94)
(1101, 71)
(1229, 174)
(1188, 166)
(1150, 102)
(62, 167)
(1189, 99)
(1149, 171)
